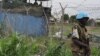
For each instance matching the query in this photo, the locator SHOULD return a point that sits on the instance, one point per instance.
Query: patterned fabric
(79, 33)
(75, 33)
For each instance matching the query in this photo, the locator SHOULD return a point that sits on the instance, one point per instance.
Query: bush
(15, 46)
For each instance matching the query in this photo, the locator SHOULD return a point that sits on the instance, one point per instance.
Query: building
(91, 22)
(29, 19)
(97, 22)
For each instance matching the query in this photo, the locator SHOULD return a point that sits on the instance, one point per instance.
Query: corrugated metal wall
(24, 24)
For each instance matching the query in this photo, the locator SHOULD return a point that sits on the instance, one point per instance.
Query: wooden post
(47, 22)
(62, 19)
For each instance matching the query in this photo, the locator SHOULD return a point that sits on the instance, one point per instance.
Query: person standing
(80, 40)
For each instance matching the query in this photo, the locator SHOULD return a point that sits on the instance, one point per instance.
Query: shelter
(25, 19)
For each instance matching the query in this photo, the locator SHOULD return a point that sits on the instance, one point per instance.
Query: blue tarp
(25, 23)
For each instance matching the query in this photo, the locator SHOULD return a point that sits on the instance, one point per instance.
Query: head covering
(81, 15)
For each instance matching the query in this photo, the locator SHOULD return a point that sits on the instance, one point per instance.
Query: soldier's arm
(76, 41)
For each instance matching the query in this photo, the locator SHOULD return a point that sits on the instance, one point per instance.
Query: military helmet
(81, 15)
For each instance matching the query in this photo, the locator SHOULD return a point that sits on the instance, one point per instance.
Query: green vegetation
(66, 17)
(72, 18)
(95, 51)
(95, 30)
(15, 45)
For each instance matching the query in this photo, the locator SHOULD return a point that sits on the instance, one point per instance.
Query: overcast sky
(82, 5)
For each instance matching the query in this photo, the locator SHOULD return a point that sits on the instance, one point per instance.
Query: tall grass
(15, 45)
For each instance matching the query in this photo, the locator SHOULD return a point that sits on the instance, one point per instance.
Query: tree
(66, 17)
(13, 3)
(72, 18)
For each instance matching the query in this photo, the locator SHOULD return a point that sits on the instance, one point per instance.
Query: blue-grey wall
(25, 23)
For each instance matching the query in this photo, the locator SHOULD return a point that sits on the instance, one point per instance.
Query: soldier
(80, 41)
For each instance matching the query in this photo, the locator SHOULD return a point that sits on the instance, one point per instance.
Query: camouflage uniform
(80, 34)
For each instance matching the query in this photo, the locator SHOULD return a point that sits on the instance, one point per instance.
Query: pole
(62, 20)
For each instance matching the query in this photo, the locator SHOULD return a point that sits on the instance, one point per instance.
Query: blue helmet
(80, 15)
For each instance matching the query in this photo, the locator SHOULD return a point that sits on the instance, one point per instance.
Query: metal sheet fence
(23, 24)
